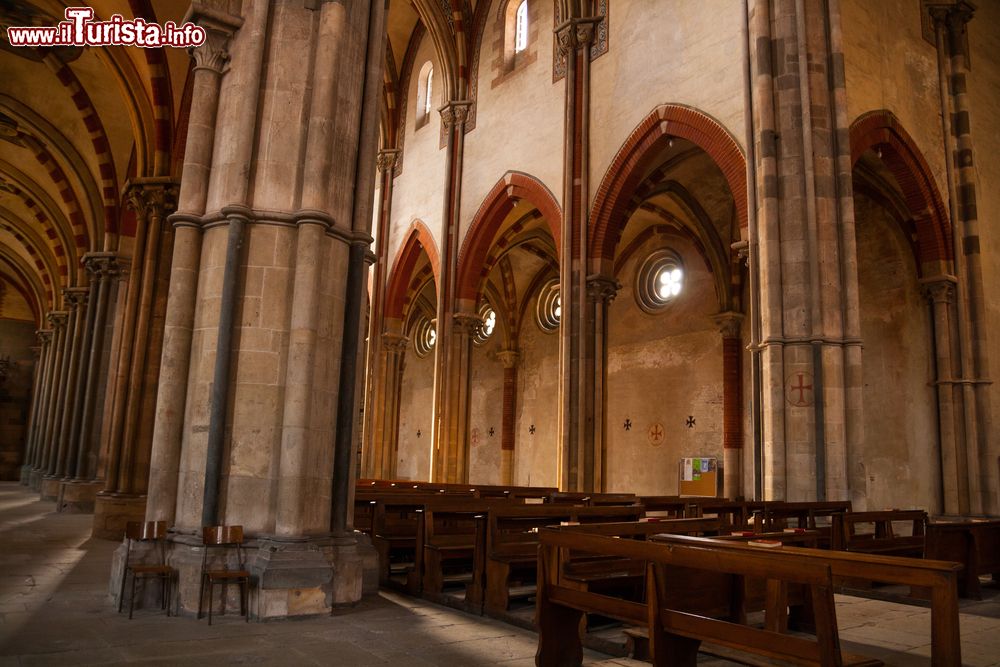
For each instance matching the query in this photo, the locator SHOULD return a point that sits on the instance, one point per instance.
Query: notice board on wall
(699, 476)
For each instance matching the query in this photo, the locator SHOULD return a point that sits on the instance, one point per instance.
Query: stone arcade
(555, 243)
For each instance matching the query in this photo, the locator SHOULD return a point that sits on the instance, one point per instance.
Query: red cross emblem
(656, 433)
(799, 390)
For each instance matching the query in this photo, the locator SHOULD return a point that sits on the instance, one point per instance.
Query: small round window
(549, 307)
(424, 337)
(659, 281)
(488, 324)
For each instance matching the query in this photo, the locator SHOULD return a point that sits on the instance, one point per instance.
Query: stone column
(37, 402)
(265, 357)
(210, 61)
(509, 359)
(123, 498)
(576, 425)
(77, 300)
(385, 442)
(984, 480)
(811, 358)
(58, 322)
(732, 403)
(78, 492)
(47, 336)
(451, 440)
(601, 291)
(376, 323)
(453, 459)
(940, 292)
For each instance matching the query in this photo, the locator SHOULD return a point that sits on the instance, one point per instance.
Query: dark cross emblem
(628, 424)
(491, 431)
(531, 429)
(418, 432)
(690, 421)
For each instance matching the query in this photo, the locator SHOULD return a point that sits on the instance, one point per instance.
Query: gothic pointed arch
(881, 131)
(626, 171)
(418, 240)
(509, 190)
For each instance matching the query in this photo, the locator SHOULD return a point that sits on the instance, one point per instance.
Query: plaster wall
(889, 65)
(668, 51)
(662, 369)
(899, 462)
(418, 192)
(984, 101)
(486, 412)
(519, 123)
(536, 455)
(413, 459)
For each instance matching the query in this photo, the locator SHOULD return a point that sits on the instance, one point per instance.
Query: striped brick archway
(881, 130)
(607, 217)
(418, 239)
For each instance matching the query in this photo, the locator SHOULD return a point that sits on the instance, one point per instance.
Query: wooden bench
(940, 578)
(883, 537)
(732, 513)
(446, 544)
(673, 507)
(975, 544)
(592, 499)
(509, 546)
(678, 624)
(819, 516)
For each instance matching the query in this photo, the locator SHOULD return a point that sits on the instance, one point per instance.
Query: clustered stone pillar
(450, 454)
(376, 324)
(811, 354)
(386, 418)
(132, 394)
(576, 348)
(263, 291)
(732, 403)
(45, 362)
(979, 493)
(64, 462)
(509, 359)
(57, 320)
(601, 291)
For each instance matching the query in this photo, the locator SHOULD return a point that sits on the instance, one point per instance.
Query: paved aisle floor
(54, 610)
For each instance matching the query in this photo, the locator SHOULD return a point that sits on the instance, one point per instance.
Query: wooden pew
(673, 507)
(592, 499)
(939, 577)
(509, 546)
(883, 538)
(818, 515)
(446, 542)
(733, 513)
(975, 544)
(677, 624)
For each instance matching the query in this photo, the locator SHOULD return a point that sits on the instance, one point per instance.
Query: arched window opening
(521, 27)
(549, 306)
(488, 325)
(424, 336)
(425, 94)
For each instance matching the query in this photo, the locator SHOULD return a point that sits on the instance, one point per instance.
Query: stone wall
(17, 337)
(416, 415)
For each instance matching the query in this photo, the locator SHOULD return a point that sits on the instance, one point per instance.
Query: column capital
(602, 288)
(76, 297)
(576, 33)
(466, 324)
(394, 342)
(57, 318)
(939, 289)
(151, 196)
(954, 15)
(101, 264)
(219, 27)
(729, 323)
(386, 160)
(508, 358)
(44, 336)
(455, 112)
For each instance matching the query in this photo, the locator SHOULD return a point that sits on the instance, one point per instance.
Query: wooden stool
(225, 538)
(149, 531)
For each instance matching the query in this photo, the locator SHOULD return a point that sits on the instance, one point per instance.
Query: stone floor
(54, 610)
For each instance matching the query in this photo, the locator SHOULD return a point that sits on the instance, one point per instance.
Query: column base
(113, 510)
(25, 475)
(49, 489)
(35, 479)
(293, 578)
(77, 496)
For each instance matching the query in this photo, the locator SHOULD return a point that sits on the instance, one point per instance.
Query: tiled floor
(54, 610)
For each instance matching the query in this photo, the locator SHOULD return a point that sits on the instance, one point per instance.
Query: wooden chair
(154, 532)
(227, 538)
